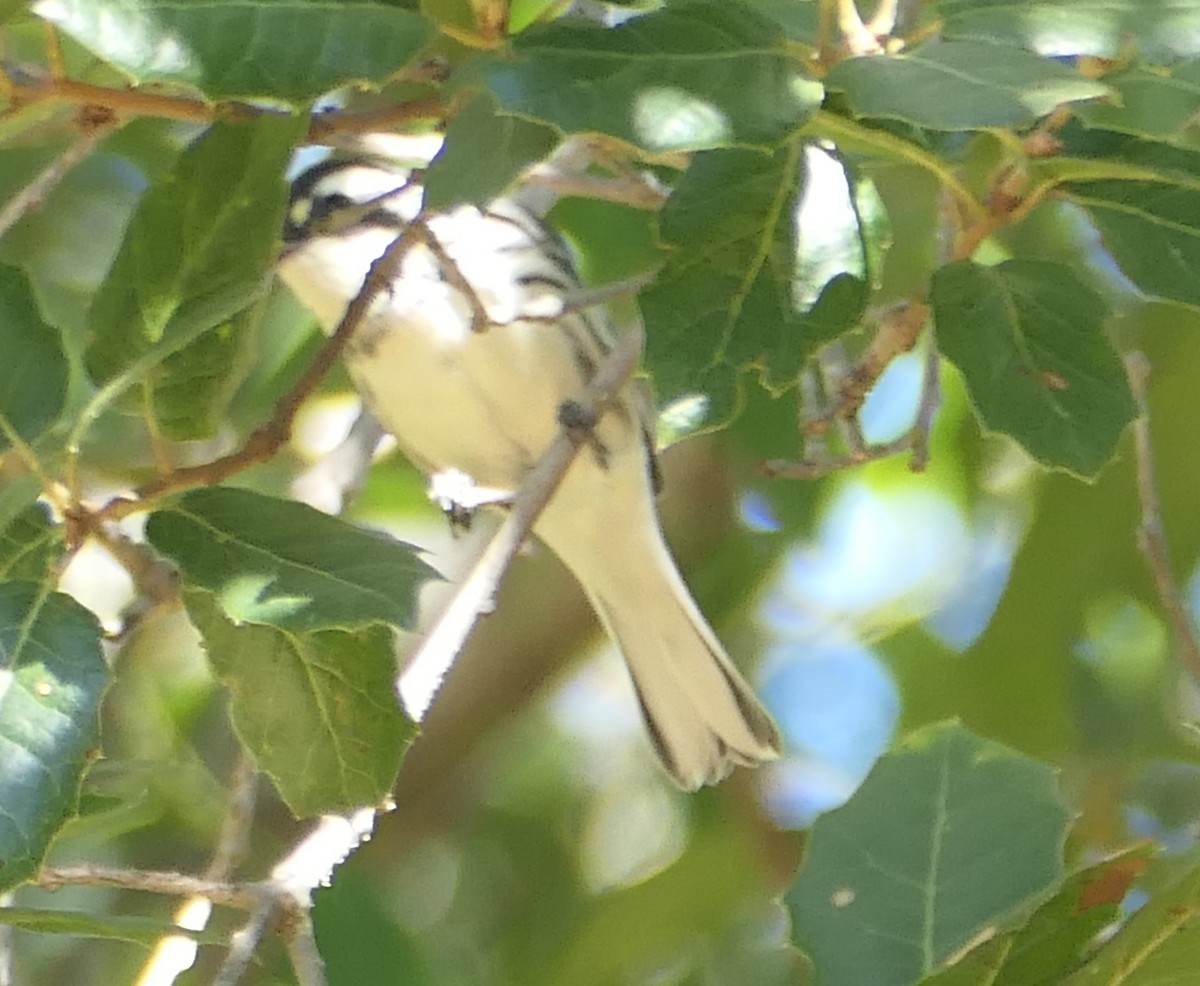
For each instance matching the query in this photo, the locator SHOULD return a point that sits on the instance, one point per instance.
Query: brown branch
(131, 101)
(1151, 534)
(239, 896)
(266, 440)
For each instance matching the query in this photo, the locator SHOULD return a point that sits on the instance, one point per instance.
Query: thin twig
(1152, 538)
(240, 896)
(931, 398)
(419, 681)
(243, 945)
(303, 951)
(35, 193)
(266, 440)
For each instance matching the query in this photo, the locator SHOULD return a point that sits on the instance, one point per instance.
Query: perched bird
(483, 400)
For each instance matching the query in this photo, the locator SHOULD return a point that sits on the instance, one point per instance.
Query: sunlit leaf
(52, 675)
(285, 564)
(737, 292)
(1160, 29)
(960, 85)
(317, 710)
(290, 50)
(693, 75)
(198, 249)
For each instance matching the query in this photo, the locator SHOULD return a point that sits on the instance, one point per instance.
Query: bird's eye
(328, 205)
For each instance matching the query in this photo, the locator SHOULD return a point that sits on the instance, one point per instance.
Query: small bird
(483, 400)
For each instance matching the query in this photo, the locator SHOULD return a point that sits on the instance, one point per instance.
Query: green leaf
(29, 543)
(948, 836)
(736, 293)
(197, 383)
(116, 927)
(1144, 198)
(1157, 946)
(693, 75)
(52, 675)
(33, 372)
(1057, 936)
(483, 152)
(960, 85)
(1150, 102)
(287, 565)
(1028, 337)
(199, 246)
(289, 50)
(316, 710)
(1161, 30)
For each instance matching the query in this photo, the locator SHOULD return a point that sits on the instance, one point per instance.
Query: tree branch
(1151, 534)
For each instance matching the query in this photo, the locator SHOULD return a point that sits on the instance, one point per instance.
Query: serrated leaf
(1149, 102)
(1028, 337)
(52, 675)
(289, 50)
(693, 75)
(735, 292)
(33, 372)
(116, 927)
(948, 836)
(483, 152)
(1161, 31)
(1057, 936)
(199, 246)
(28, 545)
(317, 710)
(960, 85)
(1159, 944)
(285, 564)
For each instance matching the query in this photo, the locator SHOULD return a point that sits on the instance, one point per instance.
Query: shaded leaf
(960, 85)
(197, 383)
(948, 836)
(52, 675)
(1148, 101)
(199, 246)
(290, 50)
(1028, 337)
(33, 372)
(736, 293)
(693, 75)
(316, 710)
(1162, 29)
(285, 564)
(1144, 198)
(1057, 936)
(483, 152)
(29, 543)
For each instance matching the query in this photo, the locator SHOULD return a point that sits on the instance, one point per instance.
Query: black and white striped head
(337, 196)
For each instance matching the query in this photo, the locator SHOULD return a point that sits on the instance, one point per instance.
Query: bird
(483, 401)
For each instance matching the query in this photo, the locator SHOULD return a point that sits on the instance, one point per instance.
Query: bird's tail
(701, 715)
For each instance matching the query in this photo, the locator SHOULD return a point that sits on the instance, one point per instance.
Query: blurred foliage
(992, 755)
